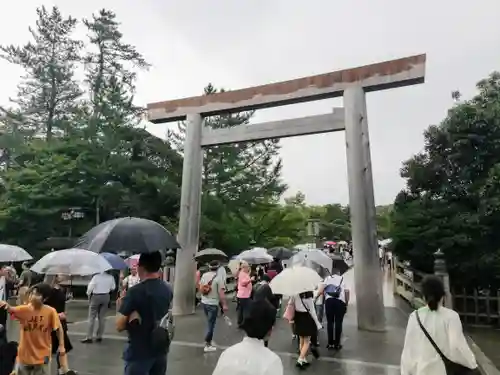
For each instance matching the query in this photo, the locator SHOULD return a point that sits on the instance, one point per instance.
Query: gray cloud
(241, 43)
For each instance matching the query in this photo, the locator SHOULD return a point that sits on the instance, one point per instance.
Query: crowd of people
(305, 312)
(434, 341)
(41, 311)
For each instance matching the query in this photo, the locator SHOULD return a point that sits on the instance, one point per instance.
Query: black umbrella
(281, 253)
(127, 234)
(207, 255)
(339, 263)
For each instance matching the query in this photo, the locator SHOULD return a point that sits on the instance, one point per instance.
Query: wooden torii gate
(352, 84)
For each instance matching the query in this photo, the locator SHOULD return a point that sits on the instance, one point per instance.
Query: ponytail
(433, 304)
(433, 291)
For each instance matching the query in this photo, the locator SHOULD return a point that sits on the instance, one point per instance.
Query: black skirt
(304, 325)
(55, 339)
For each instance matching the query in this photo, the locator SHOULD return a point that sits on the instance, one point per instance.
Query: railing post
(441, 271)
(394, 266)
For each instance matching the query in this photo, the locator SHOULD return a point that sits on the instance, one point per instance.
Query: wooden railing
(407, 283)
(476, 307)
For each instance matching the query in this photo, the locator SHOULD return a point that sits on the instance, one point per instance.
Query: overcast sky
(239, 43)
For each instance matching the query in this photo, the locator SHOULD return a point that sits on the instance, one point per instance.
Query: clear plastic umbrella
(71, 262)
(318, 257)
(257, 255)
(295, 280)
(11, 253)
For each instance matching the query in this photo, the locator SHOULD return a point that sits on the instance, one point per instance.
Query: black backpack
(163, 331)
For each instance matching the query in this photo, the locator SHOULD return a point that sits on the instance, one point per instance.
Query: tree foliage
(72, 146)
(80, 146)
(47, 94)
(241, 183)
(450, 202)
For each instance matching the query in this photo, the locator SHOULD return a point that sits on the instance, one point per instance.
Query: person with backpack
(212, 295)
(336, 299)
(145, 314)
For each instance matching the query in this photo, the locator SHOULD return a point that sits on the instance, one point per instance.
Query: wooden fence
(476, 307)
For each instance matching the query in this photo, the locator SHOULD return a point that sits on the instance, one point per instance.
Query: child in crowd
(37, 321)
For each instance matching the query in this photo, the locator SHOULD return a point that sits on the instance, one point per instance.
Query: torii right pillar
(367, 271)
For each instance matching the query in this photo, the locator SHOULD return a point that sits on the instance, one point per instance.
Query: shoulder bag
(452, 368)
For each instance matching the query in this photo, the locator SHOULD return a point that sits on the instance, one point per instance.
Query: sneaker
(338, 347)
(315, 352)
(209, 349)
(330, 347)
(87, 341)
(301, 364)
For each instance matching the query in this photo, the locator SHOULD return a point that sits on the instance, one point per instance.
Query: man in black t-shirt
(144, 305)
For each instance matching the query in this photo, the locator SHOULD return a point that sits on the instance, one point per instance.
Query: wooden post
(441, 271)
(189, 221)
(367, 272)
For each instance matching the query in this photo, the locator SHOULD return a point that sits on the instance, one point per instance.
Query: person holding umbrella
(131, 280)
(212, 297)
(299, 282)
(244, 291)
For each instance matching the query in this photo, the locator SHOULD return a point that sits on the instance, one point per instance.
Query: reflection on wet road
(363, 352)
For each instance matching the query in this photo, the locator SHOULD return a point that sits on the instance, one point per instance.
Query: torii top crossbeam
(380, 76)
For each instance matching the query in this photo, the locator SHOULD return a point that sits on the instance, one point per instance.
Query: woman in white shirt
(306, 326)
(444, 327)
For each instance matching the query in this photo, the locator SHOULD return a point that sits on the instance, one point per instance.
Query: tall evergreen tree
(47, 94)
(239, 180)
(110, 67)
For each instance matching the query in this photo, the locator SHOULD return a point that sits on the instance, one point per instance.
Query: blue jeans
(211, 312)
(151, 366)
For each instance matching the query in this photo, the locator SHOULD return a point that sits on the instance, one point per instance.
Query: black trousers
(335, 310)
(3, 318)
(243, 305)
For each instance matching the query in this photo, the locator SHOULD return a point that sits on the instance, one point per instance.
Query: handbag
(452, 368)
(290, 311)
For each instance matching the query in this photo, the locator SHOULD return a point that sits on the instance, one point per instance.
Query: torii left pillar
(189, 221)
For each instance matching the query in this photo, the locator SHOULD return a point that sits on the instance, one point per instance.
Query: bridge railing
(407, 283)
(476, 307)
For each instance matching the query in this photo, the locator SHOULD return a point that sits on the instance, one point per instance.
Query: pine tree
(244, 175)
(110, 69)
(47, 94)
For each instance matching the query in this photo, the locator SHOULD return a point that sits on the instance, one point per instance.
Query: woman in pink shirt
(244, 292)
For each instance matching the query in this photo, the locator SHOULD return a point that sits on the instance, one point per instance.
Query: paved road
(363, 352)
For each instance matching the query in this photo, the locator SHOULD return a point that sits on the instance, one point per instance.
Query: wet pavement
(362, 353)
(488, 339)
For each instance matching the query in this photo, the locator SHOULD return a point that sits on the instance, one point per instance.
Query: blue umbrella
(116, 262)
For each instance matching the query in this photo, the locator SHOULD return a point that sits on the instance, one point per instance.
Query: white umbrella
(71, 262)
(295, 280)
(234, 266)
(318, 257)
(11, 253)
(385, 242)
(257, 255)
(132, 260)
